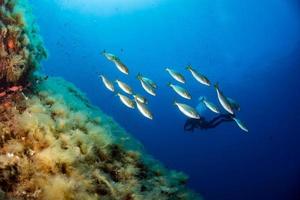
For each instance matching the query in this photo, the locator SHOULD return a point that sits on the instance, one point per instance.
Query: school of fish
(133, 100)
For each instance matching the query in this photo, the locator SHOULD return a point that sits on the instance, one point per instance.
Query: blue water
(252, 48)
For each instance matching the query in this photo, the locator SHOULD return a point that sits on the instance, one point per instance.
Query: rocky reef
(21, 48)
(54, 145)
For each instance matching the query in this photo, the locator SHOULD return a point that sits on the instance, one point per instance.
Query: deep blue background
(252, 48)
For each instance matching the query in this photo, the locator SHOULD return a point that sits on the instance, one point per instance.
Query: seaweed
(21, 48)
(45, 148)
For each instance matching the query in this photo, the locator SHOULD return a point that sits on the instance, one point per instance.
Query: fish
(126, 101)
(140, 98)
(147, 80)
(240, 124)
(180, 91)
(176, 75)
(209, 105)
(121, 66)
(144, 110)
(109, 56)
(107, 83)
(234, 104)
(126, 88)
(198, 76)
(223, 100)
(187, 110)
(148, 88)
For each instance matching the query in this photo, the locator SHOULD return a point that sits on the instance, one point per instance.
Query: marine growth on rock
(21, 48)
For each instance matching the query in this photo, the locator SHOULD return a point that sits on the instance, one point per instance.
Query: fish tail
(201, 98)
(188, 67)
(174, 102)
(216, 85)
(169, 84)
(138, 76)
(103, 51)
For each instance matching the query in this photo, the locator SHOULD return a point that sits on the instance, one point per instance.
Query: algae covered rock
(55, 145)
(21, 48)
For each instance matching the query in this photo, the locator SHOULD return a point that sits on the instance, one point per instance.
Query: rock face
(21, 48)
(54, 145)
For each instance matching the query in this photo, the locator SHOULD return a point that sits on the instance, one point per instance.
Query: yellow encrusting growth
(56, 146)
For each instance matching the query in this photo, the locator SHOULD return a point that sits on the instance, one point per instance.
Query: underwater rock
(21, 48)
(55, 145)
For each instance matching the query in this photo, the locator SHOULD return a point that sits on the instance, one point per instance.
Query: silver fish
(143, 110)
(140, 98)
(107, 83)
(148, 88)
(180, 91)
(126, 88)
(109, 56)
(176, 75)
(199, 77)
(121, 66)
(234, 104)
(240, 124)
(187, 110)
(209, 105)
(147, 80)
(223, 100)
(126, 101)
